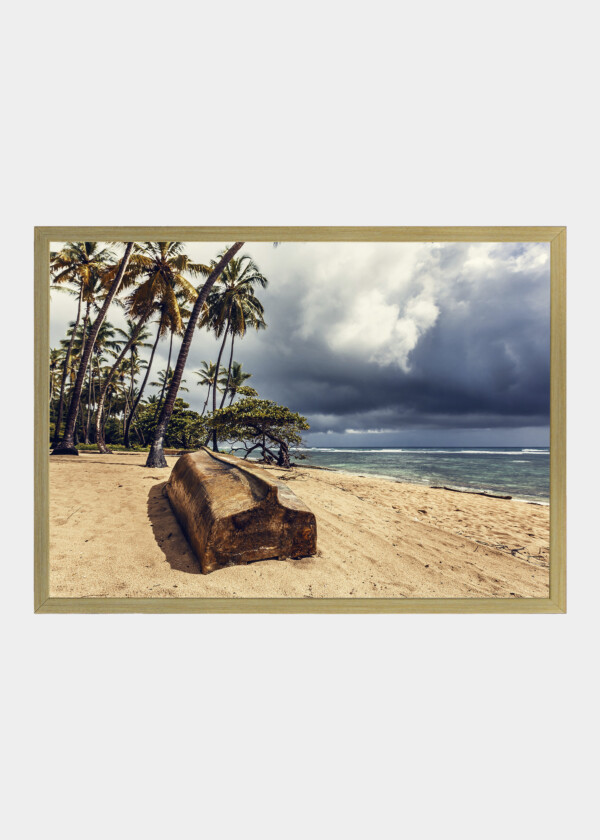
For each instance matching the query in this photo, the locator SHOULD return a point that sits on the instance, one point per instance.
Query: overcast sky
(392, 344)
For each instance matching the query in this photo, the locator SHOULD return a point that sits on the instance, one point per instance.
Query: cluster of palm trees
(120, 394)
(95, 387)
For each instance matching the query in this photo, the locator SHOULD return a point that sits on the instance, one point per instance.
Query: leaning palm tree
(231, 307)
(156, 456)
(66, 446)
(77, 267)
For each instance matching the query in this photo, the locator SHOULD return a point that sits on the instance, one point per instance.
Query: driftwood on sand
(232, 513)
(473, 492)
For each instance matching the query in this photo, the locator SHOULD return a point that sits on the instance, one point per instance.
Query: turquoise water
(523, 473)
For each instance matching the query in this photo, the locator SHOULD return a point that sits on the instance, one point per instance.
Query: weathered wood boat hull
(232, 513)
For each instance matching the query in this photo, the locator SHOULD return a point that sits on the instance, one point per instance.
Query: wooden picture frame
(555, 603)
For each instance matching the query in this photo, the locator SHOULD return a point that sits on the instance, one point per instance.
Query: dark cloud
(466, 346)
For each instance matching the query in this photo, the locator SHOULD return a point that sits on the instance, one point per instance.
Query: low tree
(186, 429)
(263, 425)
(245, 391)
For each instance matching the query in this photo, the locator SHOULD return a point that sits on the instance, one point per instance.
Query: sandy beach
(113, 534)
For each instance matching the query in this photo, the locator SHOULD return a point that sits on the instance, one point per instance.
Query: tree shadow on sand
(70, 459)
(168, 534)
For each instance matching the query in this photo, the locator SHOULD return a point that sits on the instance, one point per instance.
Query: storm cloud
(399, 343)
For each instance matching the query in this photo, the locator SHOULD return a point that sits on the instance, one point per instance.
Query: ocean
(523, 473)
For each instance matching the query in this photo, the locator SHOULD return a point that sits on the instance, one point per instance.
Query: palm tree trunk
(164, 385)
(131, 382)
(89, 407)
(86, 320)
(210, 384)
(132, 375)
(66, 446)
(84, 327)
(99, 431)
(228, 371)
(141, 391)
(156, 456)
(139, 436)
(93, 376)
(214, 434)
(108, 413)
(63, 380)
(97, 392)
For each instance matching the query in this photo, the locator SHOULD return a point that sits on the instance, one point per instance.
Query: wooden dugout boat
(233, 513)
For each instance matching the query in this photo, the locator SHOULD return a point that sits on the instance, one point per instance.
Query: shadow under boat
(168, 534)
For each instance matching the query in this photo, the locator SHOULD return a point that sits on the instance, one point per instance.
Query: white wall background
(300, 726)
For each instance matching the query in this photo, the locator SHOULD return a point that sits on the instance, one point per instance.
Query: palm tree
(66, 445)
(156, 456)
(174, 329)
(135, 366)
(207, 376)
(163, 266)
(77, 339)
(234, 380)
(56, 355)
(78, 267)
(231, 307)
(161, 330)
(135, 339)
(165, 377)
(129, 370)
(105, 342)
(160, 266)
(132, 337)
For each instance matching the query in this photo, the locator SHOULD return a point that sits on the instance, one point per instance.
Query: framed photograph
(300, 419)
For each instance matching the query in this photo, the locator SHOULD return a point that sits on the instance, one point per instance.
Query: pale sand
(112, 533)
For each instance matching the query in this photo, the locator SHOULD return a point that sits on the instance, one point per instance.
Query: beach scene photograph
(299, 419)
